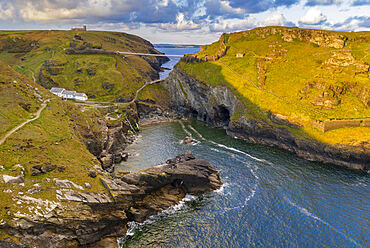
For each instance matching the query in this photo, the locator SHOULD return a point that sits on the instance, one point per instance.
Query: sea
(269, 197)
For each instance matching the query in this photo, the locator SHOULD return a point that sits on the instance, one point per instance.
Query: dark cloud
(361, 2)
(322, 2)
(169, 15)
(353, 23)
(256, 6)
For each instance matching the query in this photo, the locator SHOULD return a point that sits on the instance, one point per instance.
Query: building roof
(81, 94)
(56, 90)
(69, 92)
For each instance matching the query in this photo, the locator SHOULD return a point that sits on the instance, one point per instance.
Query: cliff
(220, 106)
(91, 219)
(304, 90)
(52, 169)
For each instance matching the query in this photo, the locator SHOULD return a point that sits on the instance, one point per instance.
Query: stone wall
(328, 125)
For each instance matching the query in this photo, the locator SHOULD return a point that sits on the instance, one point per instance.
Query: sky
(184, 21)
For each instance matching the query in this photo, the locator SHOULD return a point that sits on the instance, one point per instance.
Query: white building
(81, 96)
(57, 91)
(68, 94)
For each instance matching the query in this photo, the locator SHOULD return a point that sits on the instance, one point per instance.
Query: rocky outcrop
(256, 131)
(221, 51)
(215, 105)
(86, 219)
(49, 68)
(319, 37)
(107, 142)
(178, 176)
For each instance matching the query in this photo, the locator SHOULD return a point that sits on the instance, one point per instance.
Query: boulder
(48, 167)
(13, 180)
(107, 86)
(87, 185)
(192, 175)
(91, 70)
(187, 140)
(92, 174)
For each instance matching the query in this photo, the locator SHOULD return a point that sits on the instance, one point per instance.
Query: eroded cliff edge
(98, 219)
(220, 107)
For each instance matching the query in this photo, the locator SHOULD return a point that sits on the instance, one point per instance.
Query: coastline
(216, 105)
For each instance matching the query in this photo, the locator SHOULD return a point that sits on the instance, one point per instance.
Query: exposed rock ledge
(96, 220)
(215, 105)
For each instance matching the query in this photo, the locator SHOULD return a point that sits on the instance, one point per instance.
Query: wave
(311, 215)
(185, 130)
(197, 133)
(247, 199)
(226, 147)
(252, 169)
(221, 190)
(241, 152)
(133, 226)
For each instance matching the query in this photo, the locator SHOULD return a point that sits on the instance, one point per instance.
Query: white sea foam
(227, 147)
(311, 215)
(185, 130)
(221, 190)
(241, 152)
(196, 132)
(133, 227)
(247, 199)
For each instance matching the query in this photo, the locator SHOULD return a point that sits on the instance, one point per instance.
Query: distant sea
(171, 50)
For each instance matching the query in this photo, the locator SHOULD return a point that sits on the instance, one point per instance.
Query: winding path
(43, 105)
(142, 87)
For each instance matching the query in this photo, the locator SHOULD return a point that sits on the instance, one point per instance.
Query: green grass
(54, 139)
(17, 102)
(290, 67)
(127, 75)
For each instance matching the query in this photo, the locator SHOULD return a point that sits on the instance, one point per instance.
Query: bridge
(149, 54)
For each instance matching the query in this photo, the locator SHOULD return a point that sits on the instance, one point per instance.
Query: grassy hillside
(303, 76)
(80, 60)
(50, 141)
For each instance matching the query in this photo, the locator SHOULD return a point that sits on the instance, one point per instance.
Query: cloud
(361, 2)
(322, 2)
(225, 7)
(232, 25)
(114, 26)
(6, 11)
(181, 24)
(355, 23)
(313, 16)
(276, 19)
(256, 6)
(220, 8)
(203, 17)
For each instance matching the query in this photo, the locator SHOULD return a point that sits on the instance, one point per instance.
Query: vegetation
(323, 77)
(49, 57)
(50, 140)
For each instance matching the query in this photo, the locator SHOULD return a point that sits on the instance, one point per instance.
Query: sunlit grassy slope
(101, 76)
(303, 79)
(52, 139)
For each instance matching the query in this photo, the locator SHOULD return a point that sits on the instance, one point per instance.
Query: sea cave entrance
(222, 116)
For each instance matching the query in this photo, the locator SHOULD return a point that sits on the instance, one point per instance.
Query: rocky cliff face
(86, 219)
(318, 37)
(107, 142)
(215, 105)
